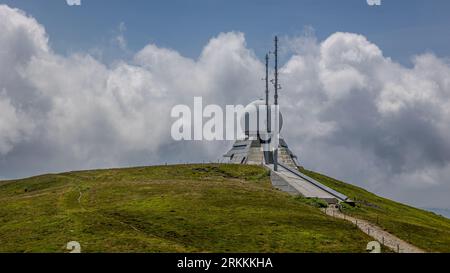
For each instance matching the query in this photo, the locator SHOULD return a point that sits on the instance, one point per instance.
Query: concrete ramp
(281, 183)
(293, 182)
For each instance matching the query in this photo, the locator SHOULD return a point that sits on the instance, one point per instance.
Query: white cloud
(120, 39)
(368, 119)
(88, 114)
(14, 126)
(351, 112)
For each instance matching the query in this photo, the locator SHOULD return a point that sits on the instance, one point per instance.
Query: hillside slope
(186, 208)
(421, 228)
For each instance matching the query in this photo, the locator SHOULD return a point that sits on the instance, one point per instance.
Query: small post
(398, 248)
(383, 240)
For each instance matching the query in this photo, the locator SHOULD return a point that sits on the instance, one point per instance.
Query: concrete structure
(253, 151)
(286, 181)
(262, 145)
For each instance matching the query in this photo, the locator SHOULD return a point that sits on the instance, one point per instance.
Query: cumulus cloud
(70, 112)
(371, 119)
(350, 111)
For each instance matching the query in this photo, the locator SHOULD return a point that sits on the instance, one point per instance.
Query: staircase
(255, 156)
(285, 158)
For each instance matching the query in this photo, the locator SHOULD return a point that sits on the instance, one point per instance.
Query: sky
(401, 27)
(366, 89)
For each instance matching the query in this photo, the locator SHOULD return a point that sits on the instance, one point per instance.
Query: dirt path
(387, 239)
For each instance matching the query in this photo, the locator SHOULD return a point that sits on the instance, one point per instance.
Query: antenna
(267, 93)
(276, 85)
(277, 126)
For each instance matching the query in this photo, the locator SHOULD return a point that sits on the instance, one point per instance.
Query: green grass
(185, 208)
(423, 229)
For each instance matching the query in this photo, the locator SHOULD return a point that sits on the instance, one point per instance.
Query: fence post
(398, 248)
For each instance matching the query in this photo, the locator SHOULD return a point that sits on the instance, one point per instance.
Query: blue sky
(402, 28)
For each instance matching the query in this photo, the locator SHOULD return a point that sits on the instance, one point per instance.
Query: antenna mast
(277, 126)
(276, 70)
(267, 93)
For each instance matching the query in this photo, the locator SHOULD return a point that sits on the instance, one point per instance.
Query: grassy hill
(421, 228)
(191, 208)
(186, 208)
